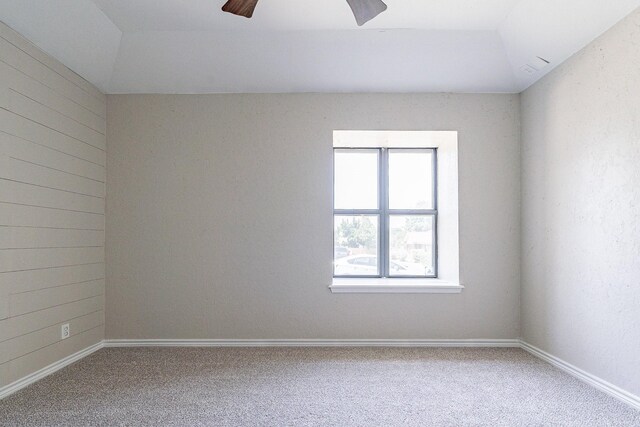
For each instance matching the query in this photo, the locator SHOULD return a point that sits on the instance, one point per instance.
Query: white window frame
(448, 265)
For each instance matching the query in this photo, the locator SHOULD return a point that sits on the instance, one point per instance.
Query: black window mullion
(435, 245)
(435, 214)
(383, 195)
(435, 179)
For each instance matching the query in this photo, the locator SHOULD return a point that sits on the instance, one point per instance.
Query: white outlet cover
(65, 331)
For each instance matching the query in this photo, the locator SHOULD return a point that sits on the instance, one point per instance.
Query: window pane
(411, 179)
(356, 179)
(411, 245)
(355, 245)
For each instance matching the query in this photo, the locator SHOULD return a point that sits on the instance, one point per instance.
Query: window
(385, 212)
(395, 211)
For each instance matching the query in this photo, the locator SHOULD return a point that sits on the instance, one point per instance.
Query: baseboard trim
(586, 377)
(48, 370)
(311, 343)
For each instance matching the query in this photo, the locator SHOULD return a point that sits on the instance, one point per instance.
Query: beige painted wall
(581, 209)
(52, 173)
(219, 217)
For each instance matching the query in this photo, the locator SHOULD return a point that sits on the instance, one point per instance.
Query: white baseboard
(47, 370)
(586, 377)
(311, 343)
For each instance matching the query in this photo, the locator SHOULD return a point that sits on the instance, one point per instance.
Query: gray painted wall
(219, 217)
(52, 173)
(581, 209)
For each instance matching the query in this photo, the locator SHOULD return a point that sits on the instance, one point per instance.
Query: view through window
(385, 212)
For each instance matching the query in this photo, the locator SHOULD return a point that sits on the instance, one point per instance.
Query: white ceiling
(191, 46)
(287, 15)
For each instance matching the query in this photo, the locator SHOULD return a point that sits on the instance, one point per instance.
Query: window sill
(393, 286)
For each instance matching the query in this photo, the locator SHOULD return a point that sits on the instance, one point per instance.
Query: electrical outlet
(65, 331)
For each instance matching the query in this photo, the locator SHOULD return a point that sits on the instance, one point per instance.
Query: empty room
(319, 213)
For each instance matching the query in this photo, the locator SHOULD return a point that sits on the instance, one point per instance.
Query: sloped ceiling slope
(190, 46)
(75, 32)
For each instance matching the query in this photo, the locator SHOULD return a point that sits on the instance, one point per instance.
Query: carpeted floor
(312, 386)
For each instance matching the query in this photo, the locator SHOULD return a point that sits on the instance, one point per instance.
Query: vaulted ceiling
(191, 46)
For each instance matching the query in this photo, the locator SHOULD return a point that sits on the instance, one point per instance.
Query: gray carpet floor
(312, 387)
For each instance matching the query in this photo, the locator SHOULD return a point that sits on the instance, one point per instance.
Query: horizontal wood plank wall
(52, 193)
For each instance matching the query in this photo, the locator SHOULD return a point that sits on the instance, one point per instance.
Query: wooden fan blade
(366, 10)
(240, 7)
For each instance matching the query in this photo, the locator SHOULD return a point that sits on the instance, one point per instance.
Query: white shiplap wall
(52, 196)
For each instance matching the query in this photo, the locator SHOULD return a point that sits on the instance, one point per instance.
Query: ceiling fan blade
(366, 10)
(240, 7)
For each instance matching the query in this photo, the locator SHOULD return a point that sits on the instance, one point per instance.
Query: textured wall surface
(219, 217)
(52, 174)
(581, 209)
